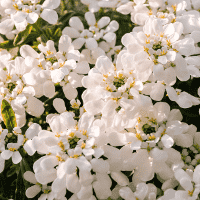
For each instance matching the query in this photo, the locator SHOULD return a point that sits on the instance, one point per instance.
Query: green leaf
(20, 189)
(13, 169)
(6, 44)
(57, 33)
(22, 36)
(8, 115)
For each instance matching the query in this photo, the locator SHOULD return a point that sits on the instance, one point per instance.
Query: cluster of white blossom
(118, 130)
(17, 14)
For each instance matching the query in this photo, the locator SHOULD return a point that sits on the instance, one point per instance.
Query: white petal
(46, 176)
(29, 148)
(158, 71)
(34, 106)
(30, 177)
(171, 93)
(6, 26)
(162, 59)
(50, 16)
(103, 22)
(72, 183)
(49, 89)
(30, 79)
(51, 4)
(70, 166)
(109, 37)
(59, 105)
(6, 154)
(90, 18)
(74, 79)
(71, 32)
(167, 141)
(100, 165)
(117, 139)
(70, 92)
(169, 76)
(32, 17)
(33, 130)
(57, 75)
(27, 50)
(76, 23)
(94, 107)
(19, 16)
(59, 184)
(91, 43)
(49, 162)
(33, 191)
(104, 65)
(83, 164)
(2, 164)
(16, 157)
(120, 178)
(82, 67)
(65, 44)
(157, 92)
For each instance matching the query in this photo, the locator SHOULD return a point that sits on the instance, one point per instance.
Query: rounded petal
(34, 106)
(27, 50)
(167, 141)
(33, 131)
(49, 89)
(32, 18)
(76, 23)
(6, 26)
(46, 176)
(78, 43)
(29, 148)
(2, 164)
(16, 157)
(90, 18)
(50, 16)
(157, 92)
(57, 75)
(120, 178)
(91, 43)
(71, 32)
(6, 154)
(30, 177)
(51, 4)
(33, 191)
(74, 79)
(70, 92)
(59, 105)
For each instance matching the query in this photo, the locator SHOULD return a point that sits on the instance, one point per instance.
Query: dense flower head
(98, 105)
(19, 14)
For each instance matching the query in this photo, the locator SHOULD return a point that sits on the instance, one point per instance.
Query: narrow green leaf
(21, 36)
(6, 44)
(57, 33)
(20, 189)
(8, 115)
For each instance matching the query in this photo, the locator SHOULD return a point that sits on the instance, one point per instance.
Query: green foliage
(7, 44)
(8, 115)
(21, 37)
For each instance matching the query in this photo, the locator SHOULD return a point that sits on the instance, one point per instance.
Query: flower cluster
(95, 119)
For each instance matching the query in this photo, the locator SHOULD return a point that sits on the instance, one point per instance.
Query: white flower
(12, 152)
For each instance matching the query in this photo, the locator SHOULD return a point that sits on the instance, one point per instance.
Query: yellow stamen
(59, 159)
(61, 145)
(83, 145)
(173, 20)
(72, 134)
(75, 105)
(138, 136)
(12, 149)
